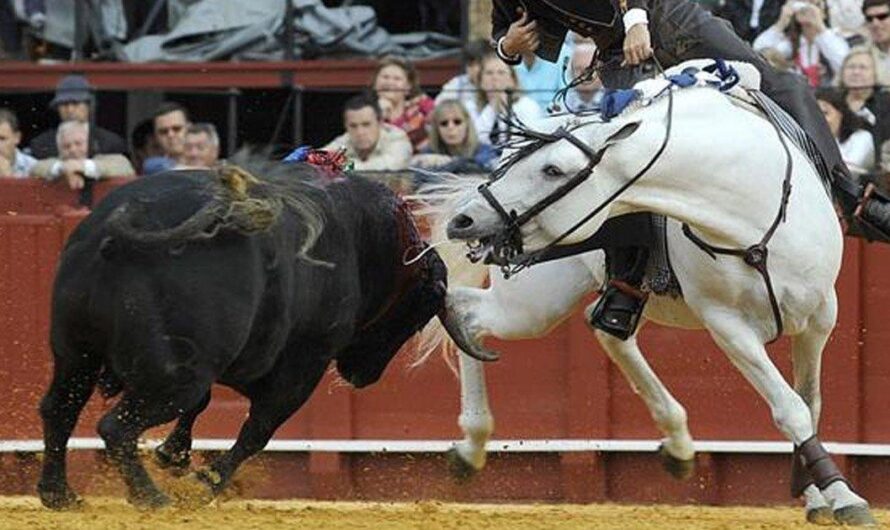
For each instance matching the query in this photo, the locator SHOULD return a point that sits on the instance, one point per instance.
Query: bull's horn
(465, 342)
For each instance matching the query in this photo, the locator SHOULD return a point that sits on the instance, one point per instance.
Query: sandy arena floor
(25, 513)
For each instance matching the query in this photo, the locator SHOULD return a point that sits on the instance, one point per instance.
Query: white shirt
(858, 152)
(828, 44)
(460, 88)
(21, 166)
(525, 109)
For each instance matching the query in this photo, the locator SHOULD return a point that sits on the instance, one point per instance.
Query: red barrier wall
(561, 386)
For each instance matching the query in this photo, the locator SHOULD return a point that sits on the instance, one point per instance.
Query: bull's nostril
(462, 222)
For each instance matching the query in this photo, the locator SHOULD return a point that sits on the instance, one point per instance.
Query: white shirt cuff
(635, 16)
(509, 59)
(90, 170)
(56, 170)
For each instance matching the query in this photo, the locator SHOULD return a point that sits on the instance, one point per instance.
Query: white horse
(721, 173)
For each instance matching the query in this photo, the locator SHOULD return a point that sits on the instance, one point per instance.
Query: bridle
(506, 246)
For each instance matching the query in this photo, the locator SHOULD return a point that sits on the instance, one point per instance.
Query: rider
(674, 31)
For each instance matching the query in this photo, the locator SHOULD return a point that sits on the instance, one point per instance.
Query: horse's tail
(436, 203)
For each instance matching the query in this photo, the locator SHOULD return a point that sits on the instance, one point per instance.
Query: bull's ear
(620, 131)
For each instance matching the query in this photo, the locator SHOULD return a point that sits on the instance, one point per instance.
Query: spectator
(463, 86)
(201, 146)
(800, 35)
(540, 79)
(74, 163)
(170, 121)
(846, 17)
(750, 18)
(13, 162)
(587, 95)
(500, 96)
(73, 101)
(851, 131)
(401, 100)
(857, 80)
(371, 144)
(877, 18)
(143, 144)
(454, 145)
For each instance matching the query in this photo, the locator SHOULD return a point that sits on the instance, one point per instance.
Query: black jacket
(104, 142)
(598, 19)
(738, 13)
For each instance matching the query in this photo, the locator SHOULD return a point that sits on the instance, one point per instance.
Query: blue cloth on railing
(297, 155)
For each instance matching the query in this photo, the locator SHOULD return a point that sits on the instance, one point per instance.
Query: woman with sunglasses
(453, 144)
(628, 33)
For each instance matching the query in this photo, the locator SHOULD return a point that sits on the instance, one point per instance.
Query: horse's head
(545, 185)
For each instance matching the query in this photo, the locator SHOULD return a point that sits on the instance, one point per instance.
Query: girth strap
(756, 255)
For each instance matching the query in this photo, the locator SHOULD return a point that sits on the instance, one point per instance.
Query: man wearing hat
(73, 101)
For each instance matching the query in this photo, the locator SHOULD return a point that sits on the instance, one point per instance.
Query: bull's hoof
(150, 499)
(196, 489)
(176, 462)
(855, 515)
(460, 469)
(679, 469)
(64, 499)
(822, 516)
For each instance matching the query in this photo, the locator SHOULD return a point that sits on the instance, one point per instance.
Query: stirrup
(618, 310)
(870, 231)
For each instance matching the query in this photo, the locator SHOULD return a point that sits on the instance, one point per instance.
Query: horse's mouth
(481, 250)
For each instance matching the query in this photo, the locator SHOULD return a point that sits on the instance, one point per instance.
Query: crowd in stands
(841, 47)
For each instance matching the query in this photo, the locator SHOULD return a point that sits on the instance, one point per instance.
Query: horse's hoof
(64, 499)
(196, 489)
(822, 516)
(855, 515)
(679, 469)
(177, 462)
(149, 500)
(460, 469)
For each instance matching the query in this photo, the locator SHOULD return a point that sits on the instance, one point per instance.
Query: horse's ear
(621, 132)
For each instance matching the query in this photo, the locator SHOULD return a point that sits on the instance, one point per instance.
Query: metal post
(80, 19)
(465, 21)
(86, 194)
(298, 115)
(232, 122)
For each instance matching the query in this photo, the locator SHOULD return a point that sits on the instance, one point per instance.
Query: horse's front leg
(475, 420)
(791, 414)
(669, 415)
(525, 306)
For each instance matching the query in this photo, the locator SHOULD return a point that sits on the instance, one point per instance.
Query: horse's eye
(553, 171)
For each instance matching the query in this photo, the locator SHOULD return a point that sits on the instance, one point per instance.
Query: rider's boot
(618, 310)
(866, 210)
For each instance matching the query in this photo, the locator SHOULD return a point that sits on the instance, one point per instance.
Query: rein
(507, 245)
(756, 255)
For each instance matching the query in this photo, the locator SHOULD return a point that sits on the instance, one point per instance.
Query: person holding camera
(801, 36)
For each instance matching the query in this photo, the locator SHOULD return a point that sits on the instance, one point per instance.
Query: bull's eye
(553, 171)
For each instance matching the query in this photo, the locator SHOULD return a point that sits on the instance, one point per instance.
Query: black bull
(185, 279)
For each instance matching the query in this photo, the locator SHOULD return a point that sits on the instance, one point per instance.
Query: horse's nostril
(462, 222)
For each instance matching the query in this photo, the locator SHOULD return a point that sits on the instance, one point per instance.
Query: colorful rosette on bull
(334, 162)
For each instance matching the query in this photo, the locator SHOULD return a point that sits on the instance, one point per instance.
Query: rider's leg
(618, 310)
(685, 31)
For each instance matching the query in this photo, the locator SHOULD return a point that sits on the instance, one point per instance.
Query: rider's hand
(637, 44)
(522, 36)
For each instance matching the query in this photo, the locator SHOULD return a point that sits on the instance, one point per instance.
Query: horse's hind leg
(790, 412)
(806, 353)
(72, 384)
(175, 452)
(668, 413)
